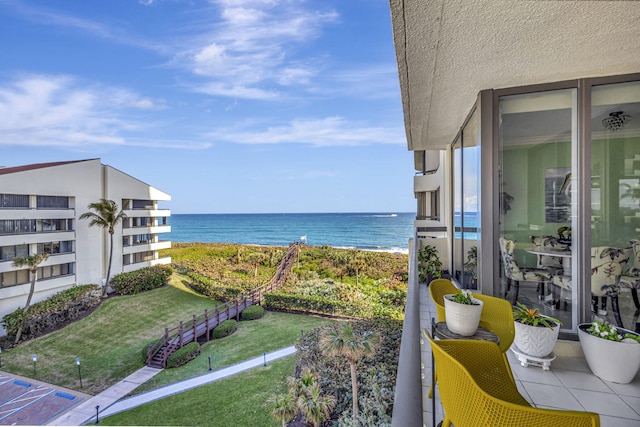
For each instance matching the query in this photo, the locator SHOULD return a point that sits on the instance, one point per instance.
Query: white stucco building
(40, 206)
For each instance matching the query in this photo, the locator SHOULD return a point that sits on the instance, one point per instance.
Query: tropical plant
(314, 406)
(608, 332)
(283, 407)
(471, 264)
(464, 297)
(532, 317)
(31, 262)
(352, 346)
(357, 264)
(106, 215)
(429, 265)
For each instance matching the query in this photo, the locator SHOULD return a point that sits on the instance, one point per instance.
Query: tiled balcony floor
(568, 385)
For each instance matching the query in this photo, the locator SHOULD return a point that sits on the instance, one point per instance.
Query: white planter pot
(462, 319)
(613, 361)
(537, 341)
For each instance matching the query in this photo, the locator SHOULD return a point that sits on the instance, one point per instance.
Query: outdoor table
(440, 330)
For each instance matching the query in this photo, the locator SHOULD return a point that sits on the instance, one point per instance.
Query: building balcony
(133, 213)
(154, 229)
(569, 384)
(155, 246)
(150, 263)
(33, 213)
(39, 237)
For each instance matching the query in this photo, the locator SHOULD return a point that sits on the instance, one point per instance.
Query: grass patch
(108, 341)
(237, 401)
(271, 332)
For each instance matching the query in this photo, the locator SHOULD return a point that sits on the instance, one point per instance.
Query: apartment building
(40, 207)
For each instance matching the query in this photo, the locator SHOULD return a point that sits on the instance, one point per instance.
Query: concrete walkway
(109, 399)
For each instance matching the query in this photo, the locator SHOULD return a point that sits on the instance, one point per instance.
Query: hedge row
(145, 279)
(213, 289)
(52, 312)
(308, 303)
(183, 355)
(225, 329)
(318, 304)
(252, 313)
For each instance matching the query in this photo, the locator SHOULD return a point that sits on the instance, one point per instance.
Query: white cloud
(39, 110)
(251, 50)
(330, 131)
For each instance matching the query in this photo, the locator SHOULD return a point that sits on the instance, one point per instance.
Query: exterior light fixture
(79, 373)
(0, 357)
(34, 357)
(616, 121)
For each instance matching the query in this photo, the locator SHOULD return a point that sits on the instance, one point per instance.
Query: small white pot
(462, 319)
(613, 361)
(537, 341)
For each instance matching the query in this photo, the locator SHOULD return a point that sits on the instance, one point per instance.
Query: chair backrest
(547, 242)
(634, 259)
(606, 267)
(497, 316)
(507, 247)
(476, 389)
(438, 288)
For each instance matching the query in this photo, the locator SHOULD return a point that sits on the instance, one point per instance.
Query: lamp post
(0, 357)
(97, 414)
(209, 362)
(34, 357)
(79, 373)
(265, 358)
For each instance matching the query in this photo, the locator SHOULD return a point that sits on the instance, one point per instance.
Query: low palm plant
(532, 316)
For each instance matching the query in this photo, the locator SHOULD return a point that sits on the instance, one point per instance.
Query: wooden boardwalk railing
(203, 324)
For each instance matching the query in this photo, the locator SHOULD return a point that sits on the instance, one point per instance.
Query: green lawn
(238, 401)
(109, 341)
(272, 332)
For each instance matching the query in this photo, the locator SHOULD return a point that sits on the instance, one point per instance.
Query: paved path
(181, 386)
(109, 399)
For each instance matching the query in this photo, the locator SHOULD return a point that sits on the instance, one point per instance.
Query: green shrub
(52, 312)
(183, 355)
(225, 329)
(212, 288)
(142, 280)
(252, 313)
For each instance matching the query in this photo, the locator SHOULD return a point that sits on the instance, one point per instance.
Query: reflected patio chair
(515, 274)
(630, 278)
(551, 263)
(606, 271)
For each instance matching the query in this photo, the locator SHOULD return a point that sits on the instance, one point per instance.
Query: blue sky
(230, 106)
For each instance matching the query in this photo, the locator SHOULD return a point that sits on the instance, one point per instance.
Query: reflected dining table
(560, 253)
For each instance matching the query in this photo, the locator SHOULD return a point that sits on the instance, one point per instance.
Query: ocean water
(388, 232)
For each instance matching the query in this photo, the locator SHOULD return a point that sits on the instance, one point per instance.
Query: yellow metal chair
(497, 314)
(476, 389)
(438, 288)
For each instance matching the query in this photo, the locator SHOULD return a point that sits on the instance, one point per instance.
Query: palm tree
(283, 407)
(315, 407)
(352, 346)
(31, 262)
(107, 215)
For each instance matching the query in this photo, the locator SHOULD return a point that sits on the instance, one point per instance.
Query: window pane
(536, 142)
(615, 200)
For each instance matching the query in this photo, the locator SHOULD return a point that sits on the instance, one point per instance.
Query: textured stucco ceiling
(449, 50)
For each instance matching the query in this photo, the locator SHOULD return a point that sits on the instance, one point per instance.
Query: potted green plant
(536, 333)
(462, 313)
(429, 264)
(471, 265)
(612, 353)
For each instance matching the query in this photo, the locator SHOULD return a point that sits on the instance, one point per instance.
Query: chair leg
(616, 310)
(594, 303)
(634, 295)
(516, 291)
(507, 288)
